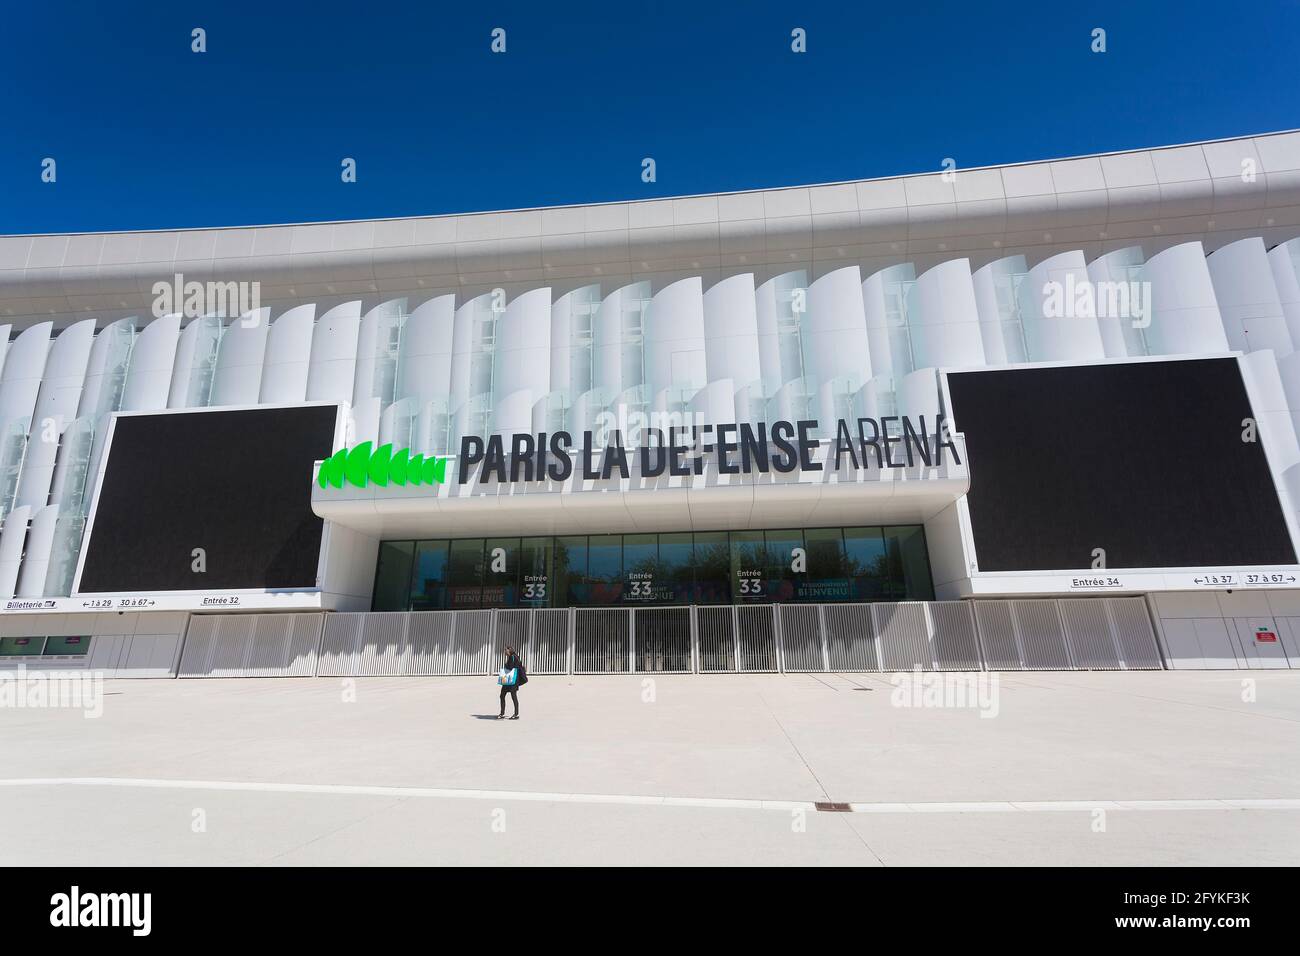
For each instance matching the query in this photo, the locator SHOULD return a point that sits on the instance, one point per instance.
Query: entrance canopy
(807, 497)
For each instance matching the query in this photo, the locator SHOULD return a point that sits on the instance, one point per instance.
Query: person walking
(514, 663)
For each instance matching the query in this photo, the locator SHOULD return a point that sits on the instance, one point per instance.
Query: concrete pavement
(1062, 769)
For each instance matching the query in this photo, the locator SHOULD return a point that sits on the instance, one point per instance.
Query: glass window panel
(631, 362)
(909, 565)
(501, 572)
(571, 571)
(465, 574)
(21, 646)
(643, 578)
(781, 579)
(827, 578)
(718, 567)
(867, 564)
(677, 567)
(604, 568)
(712, 565)
(67, 645)
(429, 580)
(535, 573)
(748, 567)
(393, 576)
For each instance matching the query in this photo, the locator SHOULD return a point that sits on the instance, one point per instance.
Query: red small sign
(1265, 637)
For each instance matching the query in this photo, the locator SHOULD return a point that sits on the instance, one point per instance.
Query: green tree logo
(381, 466)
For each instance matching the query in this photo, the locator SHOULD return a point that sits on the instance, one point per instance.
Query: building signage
(1100, 582)
(1261, 578)
(1264, 636)
(380, 466)
(740, 448)
(304, 600)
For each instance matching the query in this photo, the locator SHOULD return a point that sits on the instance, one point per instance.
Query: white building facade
(1033, 416)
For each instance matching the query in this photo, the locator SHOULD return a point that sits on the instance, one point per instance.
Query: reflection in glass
(909, 566)
(642, 580)
(67, 645)
(814, 565)
(465, 574)
(781, 558)
(21, 646)
(429, 580)
(676, 568)
(604, 569)
(748, 567)
(827, 577)
(571, 571)
(866, 564)
(535, 575)
(712, 568)
(393, 575)
(501, 572)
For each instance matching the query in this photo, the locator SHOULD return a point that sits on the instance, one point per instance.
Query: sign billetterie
(740, 449)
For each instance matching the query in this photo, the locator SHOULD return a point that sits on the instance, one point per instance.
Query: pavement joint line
(980, 806)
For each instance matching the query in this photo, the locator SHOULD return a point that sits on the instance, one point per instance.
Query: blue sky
(148, 135)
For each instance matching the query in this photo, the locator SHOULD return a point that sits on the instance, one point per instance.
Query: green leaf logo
(355, 466)
(380, 466)
(331, 470)
(379, 463)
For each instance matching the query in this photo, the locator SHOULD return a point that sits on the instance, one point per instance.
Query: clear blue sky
(148, 135)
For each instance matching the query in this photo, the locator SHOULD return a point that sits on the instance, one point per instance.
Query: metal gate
(338, 648)
(602, 641)
(851, 642)
(1134, 635)
(428, 643)
(903, 635)
(954, 643)
(998, 636)
(661, 637)
(541, 638)
(756, 637)
(1040, 635)
(548, 645)
(251, 645)
(715, 630)
(803, 638)
(1020, 634)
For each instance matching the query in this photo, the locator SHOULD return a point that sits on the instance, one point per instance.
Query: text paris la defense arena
(1038, 416)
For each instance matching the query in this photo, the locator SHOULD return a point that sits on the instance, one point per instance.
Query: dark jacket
(513, 661)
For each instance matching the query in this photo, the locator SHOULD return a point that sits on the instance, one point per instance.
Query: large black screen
(1145, 460)
(235, 483)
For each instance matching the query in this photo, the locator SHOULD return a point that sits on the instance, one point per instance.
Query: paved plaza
(1038, 768)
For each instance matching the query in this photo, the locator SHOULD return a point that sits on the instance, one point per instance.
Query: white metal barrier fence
(251, 645)
(1040, 634)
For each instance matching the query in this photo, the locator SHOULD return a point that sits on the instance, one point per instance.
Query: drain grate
(826, 807)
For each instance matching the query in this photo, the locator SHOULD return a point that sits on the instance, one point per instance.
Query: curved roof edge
(1194, 191)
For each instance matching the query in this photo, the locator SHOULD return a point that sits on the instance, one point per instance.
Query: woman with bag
(511, 678)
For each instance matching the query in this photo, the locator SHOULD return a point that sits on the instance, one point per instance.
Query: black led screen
(1144, 460)
(236, 484)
